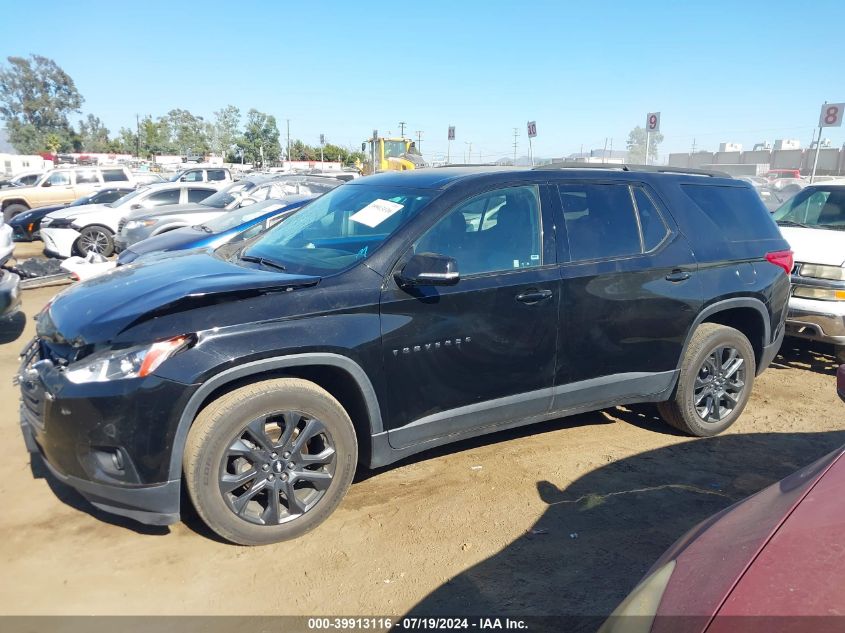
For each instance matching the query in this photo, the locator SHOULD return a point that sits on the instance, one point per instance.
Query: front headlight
(61, 223)
(642, 603)
(836, 273)
(138, 224)
(133, 362)
(824, 294)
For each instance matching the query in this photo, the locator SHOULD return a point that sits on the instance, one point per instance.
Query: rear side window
(736, 211)
(601, 222)
(86, 177)
(114, 175)
(160, 198)
(198, 195)
(216, 174)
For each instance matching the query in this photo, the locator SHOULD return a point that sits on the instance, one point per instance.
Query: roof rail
(648, 168)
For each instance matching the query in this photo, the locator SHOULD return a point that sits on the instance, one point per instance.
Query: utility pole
(469, 154)
(137, 136)
(604, 154)
(692, 151)
(288, 122)
(419, 140)
(402, 129)
(515, 144)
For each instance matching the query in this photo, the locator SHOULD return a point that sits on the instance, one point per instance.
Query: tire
(231, 478)
(701, 374)
(12, 210)
(839, 354)
(94, 234)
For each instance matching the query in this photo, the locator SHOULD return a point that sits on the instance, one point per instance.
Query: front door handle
(534, 296)
(677, 275)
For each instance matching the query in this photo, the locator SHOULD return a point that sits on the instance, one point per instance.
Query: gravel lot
(559, 518)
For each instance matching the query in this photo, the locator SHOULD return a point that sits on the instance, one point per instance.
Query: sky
(587, 72)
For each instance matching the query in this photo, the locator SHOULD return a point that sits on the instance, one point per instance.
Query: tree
(260, 138)
(126, 141)
(36, 98)
(636, 146)
(226, 127)
(187, 132)
(301, 151)
(93, 135)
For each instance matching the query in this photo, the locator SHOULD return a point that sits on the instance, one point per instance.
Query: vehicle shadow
(12, 327)
(802, 354)
(75, 500)
(599, 535)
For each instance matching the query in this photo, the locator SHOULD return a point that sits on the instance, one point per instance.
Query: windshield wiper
(263, 261)
(793, 223)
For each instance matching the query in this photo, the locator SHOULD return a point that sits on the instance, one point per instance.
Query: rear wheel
(94, 238)
(270, 461)
(12, 210)
(716, 378)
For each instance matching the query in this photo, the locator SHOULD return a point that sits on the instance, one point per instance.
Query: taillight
(781, 258)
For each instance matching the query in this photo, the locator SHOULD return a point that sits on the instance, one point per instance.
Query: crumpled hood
(816, 246)
(96, 311)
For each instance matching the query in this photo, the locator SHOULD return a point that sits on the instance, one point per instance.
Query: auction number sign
(532, 129)
(652, 122)
(831, 115)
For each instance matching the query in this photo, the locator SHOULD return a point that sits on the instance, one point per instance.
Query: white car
(813, 222)
(77, 230)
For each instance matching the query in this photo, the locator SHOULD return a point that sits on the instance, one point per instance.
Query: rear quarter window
(737, 212)
(114, 175)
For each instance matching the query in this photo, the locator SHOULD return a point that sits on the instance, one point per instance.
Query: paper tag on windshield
(375, 213)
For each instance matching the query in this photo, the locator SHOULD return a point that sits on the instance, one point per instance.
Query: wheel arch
(342, 377)
(10, 201)
(746, 314)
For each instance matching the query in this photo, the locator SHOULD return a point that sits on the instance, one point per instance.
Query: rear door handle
(678, 275)
(534, 296)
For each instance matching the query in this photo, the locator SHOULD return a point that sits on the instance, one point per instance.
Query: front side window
(192, 176)
(601, 222)
(339, 229)
(496, 231)
(59, 179)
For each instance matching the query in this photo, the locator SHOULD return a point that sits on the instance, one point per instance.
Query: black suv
(397, 313)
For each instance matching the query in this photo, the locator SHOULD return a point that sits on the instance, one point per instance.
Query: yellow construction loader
(390, 154)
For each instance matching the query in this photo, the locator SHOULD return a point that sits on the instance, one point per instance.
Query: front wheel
(717, 374)
(94, 238)
(270, 461)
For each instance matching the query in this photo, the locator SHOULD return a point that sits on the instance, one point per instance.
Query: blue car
(238, 224)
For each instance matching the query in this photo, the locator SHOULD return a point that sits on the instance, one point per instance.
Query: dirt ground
(559, 518)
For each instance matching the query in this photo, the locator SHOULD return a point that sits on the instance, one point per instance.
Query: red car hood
(763, 555)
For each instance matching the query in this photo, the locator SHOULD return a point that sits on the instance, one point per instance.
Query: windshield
(338, 229)
(812, 207)
(227, 196)
(394, 149)
(80, 201)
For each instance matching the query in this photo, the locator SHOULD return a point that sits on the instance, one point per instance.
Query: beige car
(61, 186)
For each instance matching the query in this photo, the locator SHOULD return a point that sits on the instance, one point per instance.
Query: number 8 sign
(831, 115)
(652, 122)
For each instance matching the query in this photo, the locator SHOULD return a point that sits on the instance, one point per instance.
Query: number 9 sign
(831, 115)
(652, 122)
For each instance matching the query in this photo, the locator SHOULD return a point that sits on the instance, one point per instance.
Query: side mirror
(245, 202)
(135, 206)
(47, 183)
(429, 269)
(183, 179)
